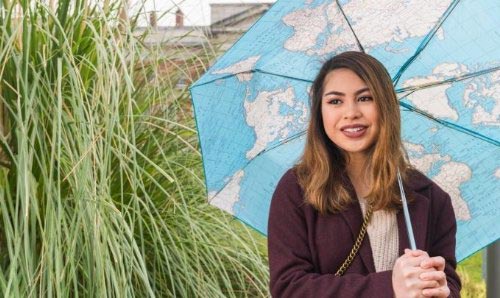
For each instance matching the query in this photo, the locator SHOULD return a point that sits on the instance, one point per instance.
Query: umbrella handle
(409, 228)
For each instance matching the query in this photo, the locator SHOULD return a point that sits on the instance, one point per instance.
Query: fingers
(409, 276)
(436, 262)
(439, 289)
(430, 284)
(427, 262)
(415, 270)
(414, 258)
(415, 253)
(439, 276)
(443, 291)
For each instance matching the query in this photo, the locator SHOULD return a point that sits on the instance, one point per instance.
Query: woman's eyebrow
(334, 93)
(343, 94)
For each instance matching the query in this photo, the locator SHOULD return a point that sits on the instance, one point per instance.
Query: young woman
(344, 190)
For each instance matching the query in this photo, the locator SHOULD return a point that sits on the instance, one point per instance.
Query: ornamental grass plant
(101, 186)
(471, 275)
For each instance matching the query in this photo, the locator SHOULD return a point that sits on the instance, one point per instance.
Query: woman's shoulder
(288, 189)
(289, 178)
(420, 183)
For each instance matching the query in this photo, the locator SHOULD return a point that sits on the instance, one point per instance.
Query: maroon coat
(306, 248)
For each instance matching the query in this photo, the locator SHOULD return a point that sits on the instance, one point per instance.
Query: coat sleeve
(443, 242)
(292, 272)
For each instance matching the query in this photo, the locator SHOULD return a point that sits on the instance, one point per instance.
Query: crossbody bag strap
(357, 243)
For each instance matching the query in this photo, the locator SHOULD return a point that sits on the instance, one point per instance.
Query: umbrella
(252, 105)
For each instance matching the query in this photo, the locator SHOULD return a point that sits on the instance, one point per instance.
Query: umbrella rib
(425, 42)
(450, 80)
(291, 138)
(350, 27)
(450, 125)
(249, 71)
(216, 79)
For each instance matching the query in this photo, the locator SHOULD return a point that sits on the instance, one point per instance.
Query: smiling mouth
(354, 132)
(355, 129)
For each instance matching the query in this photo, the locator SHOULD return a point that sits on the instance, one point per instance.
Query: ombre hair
(321, 172)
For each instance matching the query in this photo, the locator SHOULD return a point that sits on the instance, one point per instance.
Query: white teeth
(356, 129)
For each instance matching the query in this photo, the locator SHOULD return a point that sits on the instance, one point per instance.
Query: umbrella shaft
(409, 228)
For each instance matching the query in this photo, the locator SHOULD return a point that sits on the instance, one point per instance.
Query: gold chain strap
(357, 244)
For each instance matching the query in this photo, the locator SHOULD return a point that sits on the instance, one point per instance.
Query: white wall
(196, 12)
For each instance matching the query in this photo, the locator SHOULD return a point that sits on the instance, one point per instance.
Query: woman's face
(350, 116)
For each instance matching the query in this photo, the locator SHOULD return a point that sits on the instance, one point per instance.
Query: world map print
(252, 106)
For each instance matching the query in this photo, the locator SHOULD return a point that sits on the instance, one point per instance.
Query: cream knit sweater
(383, 234)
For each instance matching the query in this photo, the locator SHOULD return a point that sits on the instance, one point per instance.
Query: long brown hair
(321, 171)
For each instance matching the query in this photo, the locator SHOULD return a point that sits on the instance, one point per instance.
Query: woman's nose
(352, 110)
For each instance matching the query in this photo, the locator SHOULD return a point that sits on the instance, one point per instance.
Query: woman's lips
(354, 131)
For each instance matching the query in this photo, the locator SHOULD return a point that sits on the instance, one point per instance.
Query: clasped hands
(415, 274)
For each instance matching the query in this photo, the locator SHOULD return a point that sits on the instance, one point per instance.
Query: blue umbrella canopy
(252, 105)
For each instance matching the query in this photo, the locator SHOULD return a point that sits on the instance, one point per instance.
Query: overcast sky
(196, 12)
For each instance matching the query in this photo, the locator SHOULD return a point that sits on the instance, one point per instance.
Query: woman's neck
(357, 172)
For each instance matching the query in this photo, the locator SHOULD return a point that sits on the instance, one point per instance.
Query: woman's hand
(407, 272)
(438, 275)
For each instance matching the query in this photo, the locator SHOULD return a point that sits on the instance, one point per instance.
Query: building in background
(228, 22)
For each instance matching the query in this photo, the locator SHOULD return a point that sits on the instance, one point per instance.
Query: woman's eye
(334, 101)
(365, 98)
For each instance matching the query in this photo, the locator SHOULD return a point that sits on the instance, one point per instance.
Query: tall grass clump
(101, 193)
(470, 272)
